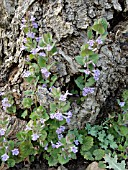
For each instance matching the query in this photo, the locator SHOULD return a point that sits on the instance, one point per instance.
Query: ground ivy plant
(88, 58)
(48, 115)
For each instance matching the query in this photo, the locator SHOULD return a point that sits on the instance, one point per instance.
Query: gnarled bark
(67, 20)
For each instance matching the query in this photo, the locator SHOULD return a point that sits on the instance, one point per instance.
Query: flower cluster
(5, 103)
(88, 90)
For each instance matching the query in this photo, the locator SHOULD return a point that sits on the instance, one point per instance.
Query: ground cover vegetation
(47, 129)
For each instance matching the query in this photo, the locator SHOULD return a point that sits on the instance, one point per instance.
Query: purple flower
(58, 144)
(49, 47)
(99, 40)
(31, 34)
(32, 19)
(53, 145)
(68, 120)
(69, 113)
(22, 26)
(96, 74)
(45, 72)
(34, 51)
(74, 149)
(42, 54)
(23, 47)
(91, 43)
(35, 137)
(87, 71)
(60, 129)
(88, 90)
(46, 147)
(24, 20)
(42, 120)
(28, 128)
(58, 116)
(15, 151)
(4, 157)
(2, 132)
(122, 104)
(35, 25)
(60, 136)
(27, 74)
(76, 142)
(38, 39)
(52, 116)
(5, 103)
(63, 97)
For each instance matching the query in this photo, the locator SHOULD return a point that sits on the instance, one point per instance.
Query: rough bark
(67, 20)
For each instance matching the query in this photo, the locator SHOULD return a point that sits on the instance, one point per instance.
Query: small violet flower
(27, 74)
(32, 19)
(15, 151)
(31, 34)
(58, 116)
(74, 149)
(122, 104)
(42, 54)
(99, 40)
(87, 71)
(4, 157)
(35, 25)
(49, 47)
(96, 74)
(34, 51)
(2, 132)
(76, 142)
(88, 90)
(45, 72)
(63, 97)
(5, 103)
(91, 43)
(35, 137)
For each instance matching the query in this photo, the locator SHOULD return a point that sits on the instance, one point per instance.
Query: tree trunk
(67, 20)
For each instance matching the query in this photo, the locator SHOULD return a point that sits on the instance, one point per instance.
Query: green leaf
(62, 159)
(53, 107)
(66, 106)
(26, 149)
(94, 58)
(80, 60)
(88, 156)
(87, 143)
(41, 61)
(89, 33)
(80, 82)
(31, 56)
(86, 52)
(124, 130)
(99, 154)
(43, 135)
(52, 161)
(90, 82)
(113, 163)
(104, 23)
(28, 92)
(27, 102)
(24, 114)
(11, 109)
(53, 80)
(98, 28)
(101, 165)
(11, 162)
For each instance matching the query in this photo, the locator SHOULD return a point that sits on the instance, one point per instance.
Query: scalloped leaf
(113, 163)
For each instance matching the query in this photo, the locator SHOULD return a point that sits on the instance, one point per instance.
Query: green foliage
(48, 110)
(113, 163)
